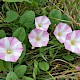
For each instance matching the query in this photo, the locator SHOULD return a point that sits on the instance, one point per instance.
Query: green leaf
(13, 0)
(16, 0)
(65, 17)
(43, 66)
(27, 78)
(34, 73)
(35, 69)
(27, 19)
(68, 57)
(20, 34)
(34, 4)
(11, 76)
(41, 2)
(23, 54)
(7, 65)
(43, 56)
(2, 68)
(3, 34)
(52, 54)
(28, 1)
(11, 16)
(20, 70)
(55, 16)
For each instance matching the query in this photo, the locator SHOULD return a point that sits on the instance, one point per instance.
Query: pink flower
(77, 68)
(42, 23)
(61, 31)
(10, 49)
(38, 38)
(72, 42)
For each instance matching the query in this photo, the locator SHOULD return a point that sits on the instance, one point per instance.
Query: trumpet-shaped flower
(38, 38)
(10, 49)
(61, 31)
(42, 23)
(72, 42)
(77, 68)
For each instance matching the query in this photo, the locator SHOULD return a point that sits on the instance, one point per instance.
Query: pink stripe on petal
(68, 36)
(32, 36)
(2, 56)
(60, 40)
(60, 25)
(33, 42)
(44, 43)
(45, 36)
(45, 20)
(73, 34)
(10, 39)
(77, 33)
(16, 43)
(13, 58)
(67, 46)
(2, 43)
(38, 19)
(55, 31)
(6, 42)
(37, 30)
(68, 30)
(45, 27)
(77, 50)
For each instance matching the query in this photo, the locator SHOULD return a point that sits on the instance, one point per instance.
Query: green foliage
(68, 57)
(12, 76)
(2, 68)
(41, 2)
(27, 19)
(11, 16)
(35, 70)
(65, 17)
(13, 0)
(7, 66)
(27, 78)
(20, 70)
(43, 66)
(52, 54)
(23, 54)
(17, 19)
(3, 34)
(20, 34)
(55, 16)
(16, 0)
(42, 55)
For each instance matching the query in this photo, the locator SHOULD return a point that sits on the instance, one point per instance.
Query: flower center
(39, 25)
(59, 34)
(72, 42)
(37, 39)
(9, 51)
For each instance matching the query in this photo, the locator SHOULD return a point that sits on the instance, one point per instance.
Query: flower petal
(63, 29)
(43, 35)
(43, 21)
